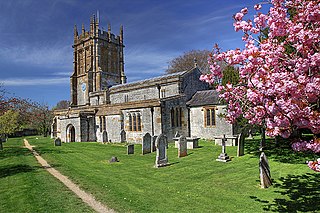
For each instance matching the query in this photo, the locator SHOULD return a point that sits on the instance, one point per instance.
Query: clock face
(83, 86)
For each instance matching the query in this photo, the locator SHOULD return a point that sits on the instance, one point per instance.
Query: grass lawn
(26, 187)
(196, 183)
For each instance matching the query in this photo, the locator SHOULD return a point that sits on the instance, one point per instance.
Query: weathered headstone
(130, 149)
(223, 157)
(265, 176)
(146, 144)
(182, 146)
(123, 136)
(104, 136)
(113, 159)
(153, 143)
(240, 150)
(250, 134)
(57, 142)
(161, 145)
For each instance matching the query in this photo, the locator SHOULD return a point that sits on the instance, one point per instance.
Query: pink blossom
(257, 6)
(277, 86)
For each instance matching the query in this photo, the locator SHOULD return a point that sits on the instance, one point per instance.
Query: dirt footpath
(87, 198)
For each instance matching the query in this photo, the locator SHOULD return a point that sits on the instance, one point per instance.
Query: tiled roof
(205, 97)
(149, 80)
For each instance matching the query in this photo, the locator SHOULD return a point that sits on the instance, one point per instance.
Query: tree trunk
(263, 138)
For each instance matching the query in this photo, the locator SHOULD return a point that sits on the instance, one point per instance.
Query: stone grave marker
(250, 134)
(113, 159)
(130, 149)
(153, 143)
(240, 149)
(104, 136)
(182, 146)
(123, 136)
(57, 142)
(223, 157)
(265, 176)
(146, 144)
(161, 145)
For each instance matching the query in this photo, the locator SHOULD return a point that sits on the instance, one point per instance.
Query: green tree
(187, 61)
(8, 124)
(230, 75)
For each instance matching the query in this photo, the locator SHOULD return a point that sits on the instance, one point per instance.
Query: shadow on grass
(51, 151)
(281, 152)
(13, 151)
(299, 193)
(16, 169)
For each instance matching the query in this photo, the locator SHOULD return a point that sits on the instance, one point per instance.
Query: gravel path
(87, 198)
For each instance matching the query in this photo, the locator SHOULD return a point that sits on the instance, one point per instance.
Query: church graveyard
(129, 184)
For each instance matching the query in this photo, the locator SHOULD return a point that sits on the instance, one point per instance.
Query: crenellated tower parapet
(98, 61)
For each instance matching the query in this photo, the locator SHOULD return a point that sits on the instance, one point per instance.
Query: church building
(105, 108)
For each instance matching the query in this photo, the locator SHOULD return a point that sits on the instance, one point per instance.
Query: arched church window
(104, 123)
(100, 124)
(138, 122)
(130, 122)
(134, 122)
(176, 116)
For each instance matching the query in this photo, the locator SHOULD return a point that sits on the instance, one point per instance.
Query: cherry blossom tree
(279, 85)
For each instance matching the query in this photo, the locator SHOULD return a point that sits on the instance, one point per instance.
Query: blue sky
(36, 38)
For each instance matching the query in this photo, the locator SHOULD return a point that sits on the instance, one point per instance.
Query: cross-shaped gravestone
(223, 157)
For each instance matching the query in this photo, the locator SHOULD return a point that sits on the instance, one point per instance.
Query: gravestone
(223, 157)
(265, 176)
(57, 142)
(161, 145)
(153, 143)
(130, 149)
(104, 136)
(240, 150)
(182, 146)
(123, 136)
(113, 159)
(146, 144)
(250, 134)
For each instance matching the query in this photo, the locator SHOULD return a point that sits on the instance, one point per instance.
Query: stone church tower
(98, 64)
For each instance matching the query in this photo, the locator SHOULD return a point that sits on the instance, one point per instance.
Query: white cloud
(34, 82)
(45, 56)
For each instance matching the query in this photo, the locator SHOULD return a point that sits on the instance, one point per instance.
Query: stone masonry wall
(64, 123)
(198, 128)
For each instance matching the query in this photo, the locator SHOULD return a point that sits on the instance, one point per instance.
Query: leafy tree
(8, 124)
(64, 104)
(41, 118)
(230, 75)
(279, 74)
(187, 61)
